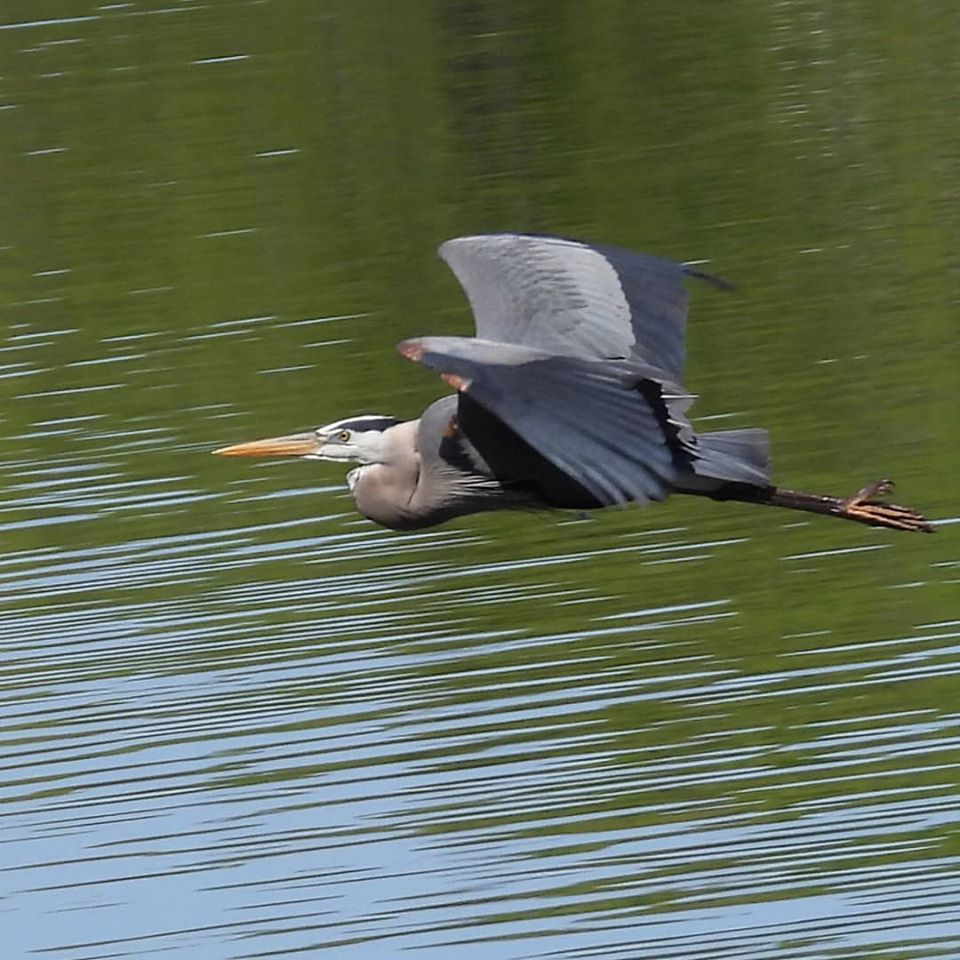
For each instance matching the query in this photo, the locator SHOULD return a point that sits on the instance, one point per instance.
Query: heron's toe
(879, 488)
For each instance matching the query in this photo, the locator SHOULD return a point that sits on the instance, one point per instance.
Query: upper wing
(616, 427)
(574, 299)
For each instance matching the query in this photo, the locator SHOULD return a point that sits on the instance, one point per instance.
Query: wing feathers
(575, 299)
(599, 421)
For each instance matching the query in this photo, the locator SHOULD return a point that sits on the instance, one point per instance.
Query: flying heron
(569, 397)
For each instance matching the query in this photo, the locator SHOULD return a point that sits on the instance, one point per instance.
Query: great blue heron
(569, 397)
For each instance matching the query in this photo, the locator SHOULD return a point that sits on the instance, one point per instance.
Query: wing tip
(416, 350)
(712, 279)
(460, 384)
(411, 349)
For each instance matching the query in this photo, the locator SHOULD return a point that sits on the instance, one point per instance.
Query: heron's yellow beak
(296, 445)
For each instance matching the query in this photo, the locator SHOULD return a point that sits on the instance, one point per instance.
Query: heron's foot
(867, 507)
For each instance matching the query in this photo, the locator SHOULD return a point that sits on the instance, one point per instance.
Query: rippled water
(240, 721)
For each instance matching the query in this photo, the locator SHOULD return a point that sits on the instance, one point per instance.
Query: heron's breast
(384, 493)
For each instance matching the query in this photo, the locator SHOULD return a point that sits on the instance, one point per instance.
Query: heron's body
(453, 462)
(568, 398)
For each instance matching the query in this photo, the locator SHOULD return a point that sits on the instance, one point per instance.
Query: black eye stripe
(360, 424)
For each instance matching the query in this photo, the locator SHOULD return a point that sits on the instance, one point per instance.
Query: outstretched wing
(575, 299)
(616, 427)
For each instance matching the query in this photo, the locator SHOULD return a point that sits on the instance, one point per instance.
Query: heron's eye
(343, 436)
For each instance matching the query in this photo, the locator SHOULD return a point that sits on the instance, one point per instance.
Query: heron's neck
(384, 491)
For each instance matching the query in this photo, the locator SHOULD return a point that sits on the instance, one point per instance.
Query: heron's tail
(863, 507)
(738, 456)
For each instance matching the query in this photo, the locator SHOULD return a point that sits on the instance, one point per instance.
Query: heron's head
(354, 440)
